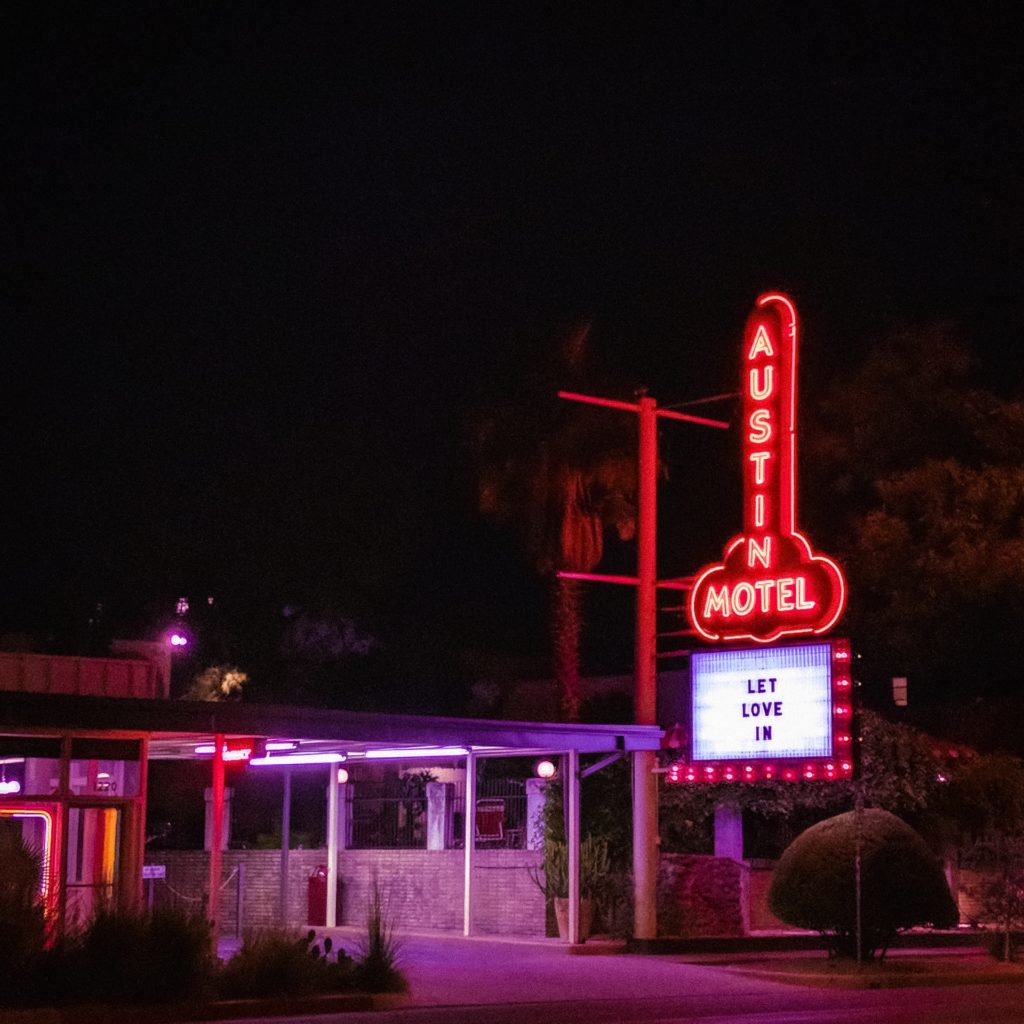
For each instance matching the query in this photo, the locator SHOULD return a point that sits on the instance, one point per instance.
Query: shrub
(136, 957)
(551, 876)
(902, 883)
(22, 920)
(278, 962)
(377, 967)
(1004, 945)
(998, 891)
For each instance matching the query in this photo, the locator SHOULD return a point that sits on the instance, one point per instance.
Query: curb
(598, 947)
(875, 981)
(798, 942)
(177, 1013)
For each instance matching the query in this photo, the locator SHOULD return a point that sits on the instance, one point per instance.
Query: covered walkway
(266, 738)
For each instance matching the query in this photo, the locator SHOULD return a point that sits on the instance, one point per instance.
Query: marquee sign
(770, 583)
(769, 712)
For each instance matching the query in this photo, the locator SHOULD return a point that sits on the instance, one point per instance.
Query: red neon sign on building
(770, 583)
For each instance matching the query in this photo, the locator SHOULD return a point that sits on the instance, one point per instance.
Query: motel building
(78, 737)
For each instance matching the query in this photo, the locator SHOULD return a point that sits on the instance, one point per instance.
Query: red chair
(490, 820)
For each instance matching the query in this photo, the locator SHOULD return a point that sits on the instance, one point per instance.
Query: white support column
(440, 796)
(286, 840)
(469, 819)
(572, 838)
(729, 830)
(536, 796)
(332, 846)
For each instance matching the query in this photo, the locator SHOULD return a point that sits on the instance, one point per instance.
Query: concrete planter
(562, 917)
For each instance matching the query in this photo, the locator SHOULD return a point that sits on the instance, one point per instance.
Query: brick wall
(758, 882)
(423, 888)
(700, 895)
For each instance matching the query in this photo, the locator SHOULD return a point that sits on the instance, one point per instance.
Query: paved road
(478, 982)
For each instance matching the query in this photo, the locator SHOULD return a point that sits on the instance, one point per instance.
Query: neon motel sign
(770, 583)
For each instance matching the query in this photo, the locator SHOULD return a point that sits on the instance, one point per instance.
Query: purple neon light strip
(397, 752)
(313, 757)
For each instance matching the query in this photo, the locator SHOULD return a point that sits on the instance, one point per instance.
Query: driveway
(451, 970)
(500, 981)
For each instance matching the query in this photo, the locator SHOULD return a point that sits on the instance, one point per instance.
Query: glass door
(93, 855)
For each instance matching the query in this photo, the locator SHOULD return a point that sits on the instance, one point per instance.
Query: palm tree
(560, 475)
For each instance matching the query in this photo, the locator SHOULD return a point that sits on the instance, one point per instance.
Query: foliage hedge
(902, 883)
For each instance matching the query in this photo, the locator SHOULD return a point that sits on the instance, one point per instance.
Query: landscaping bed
(903, 971)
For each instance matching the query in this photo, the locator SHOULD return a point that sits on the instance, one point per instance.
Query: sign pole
(645, 782)
(858, 821)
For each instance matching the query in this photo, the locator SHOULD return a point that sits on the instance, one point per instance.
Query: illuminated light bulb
(342, 776)
(846, 766)
(547, 769)
(10, 788)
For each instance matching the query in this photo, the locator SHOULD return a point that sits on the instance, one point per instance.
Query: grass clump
(22, 917)
(131, 956)
(377, 963)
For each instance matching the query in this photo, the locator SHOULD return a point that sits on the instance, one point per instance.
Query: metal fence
(387, 814)
(500, 814)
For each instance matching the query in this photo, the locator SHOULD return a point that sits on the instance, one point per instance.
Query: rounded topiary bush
(902, 883)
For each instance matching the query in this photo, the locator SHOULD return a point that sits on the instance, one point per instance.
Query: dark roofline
(58, 711)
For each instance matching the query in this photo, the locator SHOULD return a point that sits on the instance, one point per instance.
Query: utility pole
(645, 783)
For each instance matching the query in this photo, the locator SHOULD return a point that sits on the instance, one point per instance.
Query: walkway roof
(178, 725)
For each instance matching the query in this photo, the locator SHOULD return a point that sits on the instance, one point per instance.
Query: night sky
(261, 265)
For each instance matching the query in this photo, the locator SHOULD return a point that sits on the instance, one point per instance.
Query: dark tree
(913, 475)
(559, 475)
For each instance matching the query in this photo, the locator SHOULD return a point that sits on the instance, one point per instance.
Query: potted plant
(551, 876)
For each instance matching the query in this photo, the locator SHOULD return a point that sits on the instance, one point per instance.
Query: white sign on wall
(765, 702)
